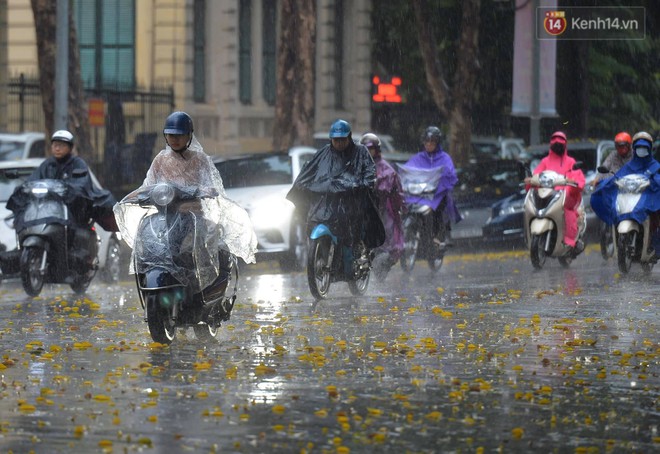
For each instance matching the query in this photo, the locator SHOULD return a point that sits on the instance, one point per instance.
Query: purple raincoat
(424, 160)
(390, 203)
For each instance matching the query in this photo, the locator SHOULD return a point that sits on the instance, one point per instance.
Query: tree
(294, 103)
(45, 13)
(456, 107)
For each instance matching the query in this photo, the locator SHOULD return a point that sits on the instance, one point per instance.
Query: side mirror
(578, 165)
(603, 169)
(12, 174)
(79, 173)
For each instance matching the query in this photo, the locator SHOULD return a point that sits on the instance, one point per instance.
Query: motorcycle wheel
(624, 250)
(80, 283)
(606, 241)
(161, 328)
(205, 332)
(31, 276)
(318, 267)
(410, 247)
(647, 267)
(565, 261)
(537, 251)
(112, 268)
(358, 287)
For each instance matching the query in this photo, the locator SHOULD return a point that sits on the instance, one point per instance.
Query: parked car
(487, 148)
(22, 146)
(505, 223)
(109, 255)
(259, 183)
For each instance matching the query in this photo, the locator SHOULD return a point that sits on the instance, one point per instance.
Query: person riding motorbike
(85, 201)
(183, 162)
(444, 208)
(603, 199)
(390, 199)
(615, 161)
(336, 188)
(559, 161)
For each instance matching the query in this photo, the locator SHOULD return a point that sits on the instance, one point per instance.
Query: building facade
(217, 56)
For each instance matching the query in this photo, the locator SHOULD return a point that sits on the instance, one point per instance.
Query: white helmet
(370, 139)
(62, 136)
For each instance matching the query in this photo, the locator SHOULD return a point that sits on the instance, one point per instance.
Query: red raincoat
(564, 165)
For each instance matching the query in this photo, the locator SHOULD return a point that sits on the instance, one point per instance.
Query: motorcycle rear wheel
(606, 242)
(537, 251)
(31, 276)
(161, 327)
(205, 332)
(318, 267)
(80, 283)
(625, 247)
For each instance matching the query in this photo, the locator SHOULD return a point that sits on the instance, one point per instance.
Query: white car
(22, 145)
(109, 254)
(259, 183)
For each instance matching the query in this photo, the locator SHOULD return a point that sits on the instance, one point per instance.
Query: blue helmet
(178, 123)
(340, 128)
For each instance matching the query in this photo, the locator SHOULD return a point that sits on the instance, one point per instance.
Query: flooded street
(486, 355)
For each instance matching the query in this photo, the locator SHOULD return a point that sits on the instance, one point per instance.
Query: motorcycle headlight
(416, 188)
(162, 194)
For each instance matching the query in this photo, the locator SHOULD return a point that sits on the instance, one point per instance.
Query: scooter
(605, 231)
(544, 220)
(182, 272)
(329, 260)
(418, 221)
(633, 240)
(56, 244)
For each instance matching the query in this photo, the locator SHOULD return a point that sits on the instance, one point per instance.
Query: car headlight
(513, 208)
(271, 213)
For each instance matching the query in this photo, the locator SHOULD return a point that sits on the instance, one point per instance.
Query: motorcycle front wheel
(358, 287)
(31, 275)
(161, 327)
(625, 248)
(537, 251)
(319, 267)
(410, 247)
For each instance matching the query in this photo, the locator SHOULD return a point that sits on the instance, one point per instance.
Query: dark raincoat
(603, 199)
(440, 158)
(337, 189)
(85, 200)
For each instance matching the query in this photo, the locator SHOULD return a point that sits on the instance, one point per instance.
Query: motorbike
(182, 271)
(56, 244)
(632, 239)
(605, 232)
(544, 220)
(418, 221)
(329, 260)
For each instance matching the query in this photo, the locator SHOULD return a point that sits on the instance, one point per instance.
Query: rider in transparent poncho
(226, 225)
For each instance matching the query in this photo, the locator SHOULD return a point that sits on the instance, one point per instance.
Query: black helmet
(178, 123)
(432, 133)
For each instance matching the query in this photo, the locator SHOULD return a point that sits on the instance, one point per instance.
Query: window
(106, 37)
(245, 51)
(199, 43)
(339, 54)
(269, 39)
(255, 171)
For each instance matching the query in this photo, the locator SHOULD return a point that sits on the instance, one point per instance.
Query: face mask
(558, 148)
(641, 152)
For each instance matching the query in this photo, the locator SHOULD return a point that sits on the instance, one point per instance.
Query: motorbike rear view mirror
(578, 165)
(12, 174)
(79, 173)
(603, 169)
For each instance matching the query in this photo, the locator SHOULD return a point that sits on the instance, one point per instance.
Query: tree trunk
(45, 18)
(294, 104)
(434, 77)
(465, 81)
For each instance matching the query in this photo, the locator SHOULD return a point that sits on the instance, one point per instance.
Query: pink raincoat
(390, 204)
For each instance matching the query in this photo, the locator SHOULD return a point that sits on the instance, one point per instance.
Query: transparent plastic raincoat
(222, 225)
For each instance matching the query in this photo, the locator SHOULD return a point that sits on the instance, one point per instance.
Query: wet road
(487, 355)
